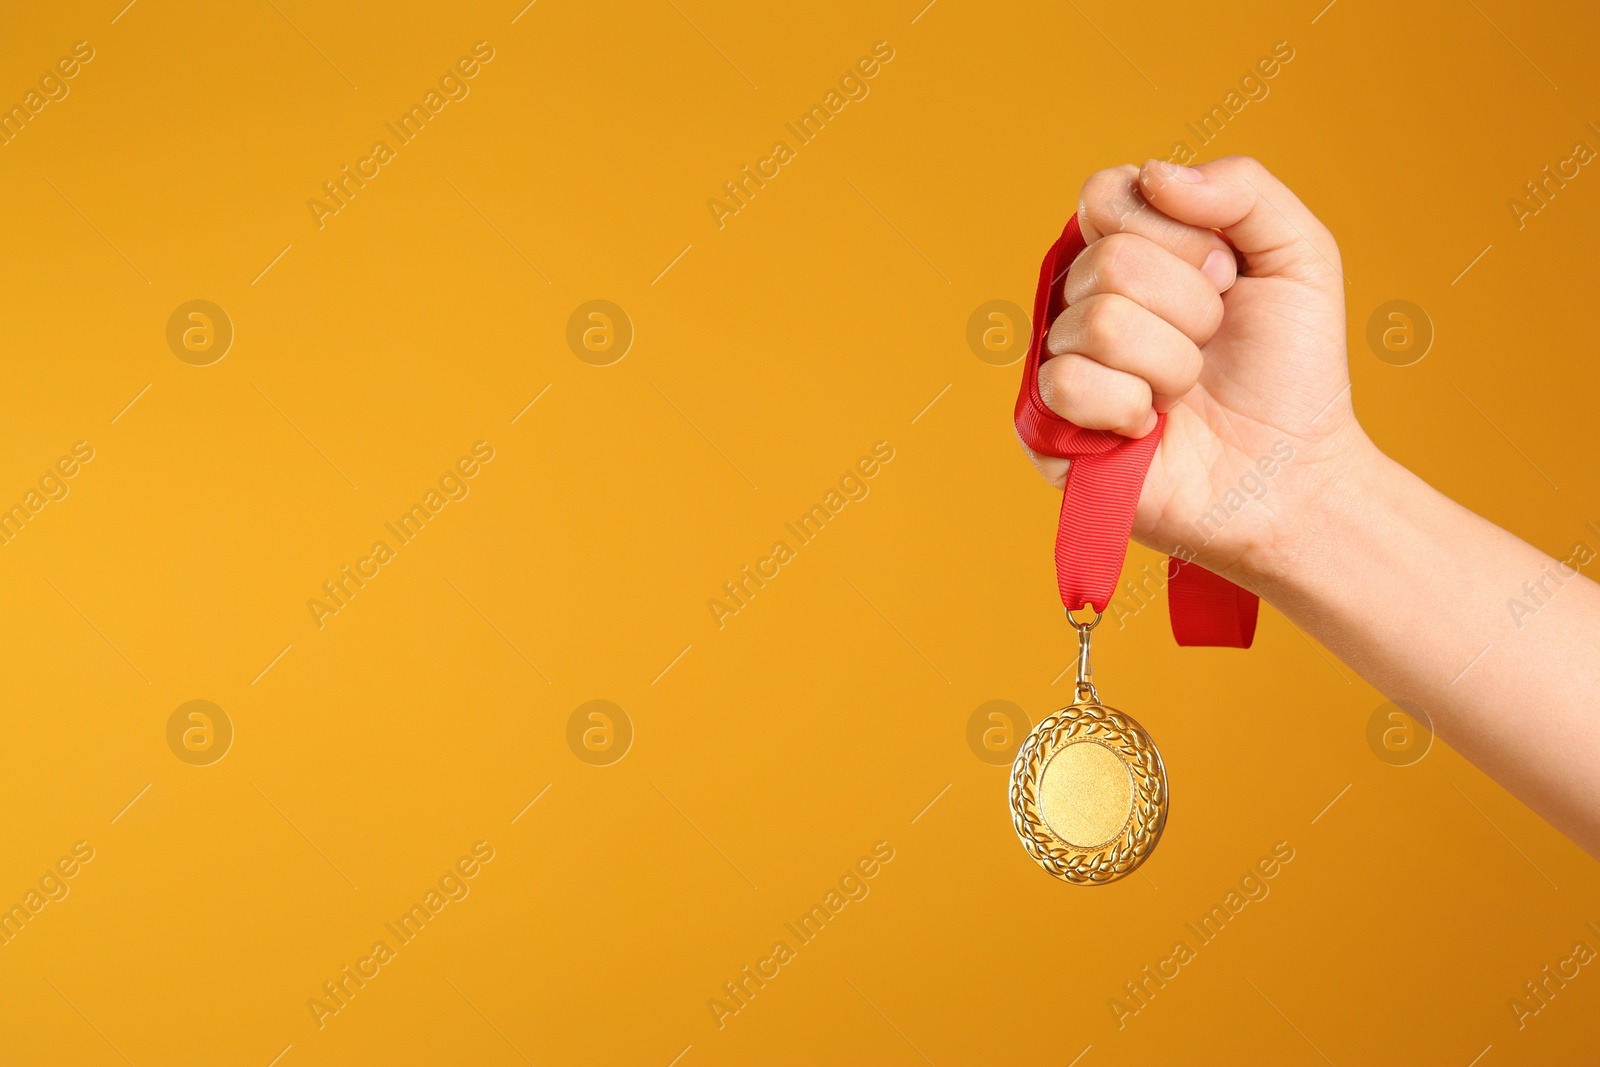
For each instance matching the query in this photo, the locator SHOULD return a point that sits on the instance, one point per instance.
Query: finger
(1112, 202)
(1158, 281)
(1052, 468)
(1117, 333)
(1095, 396)
(1276, 233)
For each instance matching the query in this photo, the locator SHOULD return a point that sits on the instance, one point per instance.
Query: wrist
(1335, 494)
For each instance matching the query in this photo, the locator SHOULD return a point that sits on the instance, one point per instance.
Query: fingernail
(1180, 172)
(1221, 269)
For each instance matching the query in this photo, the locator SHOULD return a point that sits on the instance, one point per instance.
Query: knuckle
(1059, 379)
(1104, 318)
(1097, 187)
(1107, 198)
(1114, 261)
(1334, 258)
(1250, 166)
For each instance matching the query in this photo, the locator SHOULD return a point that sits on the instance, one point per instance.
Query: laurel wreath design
(1100, 864)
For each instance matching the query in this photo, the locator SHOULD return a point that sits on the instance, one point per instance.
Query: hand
(1250, 368)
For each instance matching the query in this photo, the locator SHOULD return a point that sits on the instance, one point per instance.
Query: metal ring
(1085, 626)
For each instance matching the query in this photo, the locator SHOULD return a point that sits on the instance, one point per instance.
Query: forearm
(1416, 593)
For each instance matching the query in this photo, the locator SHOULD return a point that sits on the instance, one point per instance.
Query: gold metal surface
(1086, 794)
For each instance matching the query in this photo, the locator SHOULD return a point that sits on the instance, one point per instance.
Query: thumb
(1276, 233)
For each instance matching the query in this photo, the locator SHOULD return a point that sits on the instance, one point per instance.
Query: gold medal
(1088, 789)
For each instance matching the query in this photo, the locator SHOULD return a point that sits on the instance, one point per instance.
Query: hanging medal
(1088, 788)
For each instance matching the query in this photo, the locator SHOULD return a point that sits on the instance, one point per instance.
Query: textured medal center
(1087, 794)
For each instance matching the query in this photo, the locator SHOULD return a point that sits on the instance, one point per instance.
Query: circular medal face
(1089, 794)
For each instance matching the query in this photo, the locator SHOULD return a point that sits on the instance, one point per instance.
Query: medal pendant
(1088, 789)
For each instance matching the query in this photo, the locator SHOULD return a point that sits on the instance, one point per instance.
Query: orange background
(829, 714)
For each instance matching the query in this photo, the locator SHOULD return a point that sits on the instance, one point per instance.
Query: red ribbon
(1102, 491)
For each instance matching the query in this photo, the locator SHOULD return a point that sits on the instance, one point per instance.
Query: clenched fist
(1245, 354)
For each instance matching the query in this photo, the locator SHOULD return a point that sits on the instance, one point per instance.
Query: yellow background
(829, 713)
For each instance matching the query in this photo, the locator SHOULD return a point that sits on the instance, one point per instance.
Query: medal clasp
(1085, 685)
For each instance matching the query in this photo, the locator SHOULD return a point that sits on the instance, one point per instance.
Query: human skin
(1406, 586)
